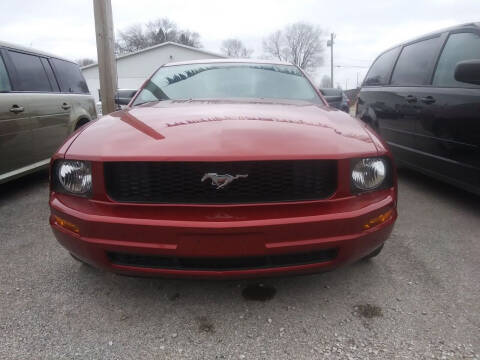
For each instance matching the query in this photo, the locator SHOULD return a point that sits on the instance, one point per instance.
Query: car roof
(472, 25)
(11, 46)
(232, 60)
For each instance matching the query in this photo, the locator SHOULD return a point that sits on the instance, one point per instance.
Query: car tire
(80, 123)
(373, 253)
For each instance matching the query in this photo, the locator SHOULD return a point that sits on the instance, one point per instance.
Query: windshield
(227, 80)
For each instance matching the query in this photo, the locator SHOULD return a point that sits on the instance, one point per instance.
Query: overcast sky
(363, 27)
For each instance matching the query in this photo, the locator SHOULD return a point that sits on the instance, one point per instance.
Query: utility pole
(107, 67)
(330, 44)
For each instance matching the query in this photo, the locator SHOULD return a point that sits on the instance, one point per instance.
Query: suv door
(376, 101)
(450, 121)
(34, 79)
(16, 149)
(75, 97)
(410, 85)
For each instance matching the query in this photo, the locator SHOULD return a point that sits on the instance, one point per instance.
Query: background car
(43, 99)
(336, 98)
(423, 97)
(122, 98)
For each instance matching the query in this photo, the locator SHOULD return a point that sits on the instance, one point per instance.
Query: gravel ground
(419, 299)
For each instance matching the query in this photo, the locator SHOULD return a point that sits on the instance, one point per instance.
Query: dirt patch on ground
(205, 324)
(368, 311)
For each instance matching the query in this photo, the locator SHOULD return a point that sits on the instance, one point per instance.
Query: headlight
(369, 173)
(74, 177)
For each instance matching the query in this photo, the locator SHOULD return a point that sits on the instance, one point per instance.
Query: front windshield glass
(227, 80)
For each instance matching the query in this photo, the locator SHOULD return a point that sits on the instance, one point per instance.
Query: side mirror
(123, 97)
(468, 71)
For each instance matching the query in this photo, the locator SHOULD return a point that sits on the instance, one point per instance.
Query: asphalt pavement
(419, 299)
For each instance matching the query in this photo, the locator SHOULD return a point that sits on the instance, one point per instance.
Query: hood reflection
(142, 126)
(131, 120)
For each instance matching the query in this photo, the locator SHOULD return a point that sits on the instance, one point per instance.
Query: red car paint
(223, 130)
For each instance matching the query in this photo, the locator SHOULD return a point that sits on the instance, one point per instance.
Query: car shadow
(441, 190)
(23, 185)
(125, 290)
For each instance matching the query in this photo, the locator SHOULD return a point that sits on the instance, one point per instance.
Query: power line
(330, 44)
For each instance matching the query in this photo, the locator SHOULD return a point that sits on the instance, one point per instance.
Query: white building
(134, 68)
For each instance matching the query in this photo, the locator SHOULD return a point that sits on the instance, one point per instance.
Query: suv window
(4, 81)
(415, 63)
(380, 70)
(30, 74)
(459, 47)
(69, 77)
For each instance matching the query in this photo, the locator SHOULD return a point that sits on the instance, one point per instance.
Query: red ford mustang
(223, 169)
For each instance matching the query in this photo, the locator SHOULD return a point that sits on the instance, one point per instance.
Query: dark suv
(423, 97)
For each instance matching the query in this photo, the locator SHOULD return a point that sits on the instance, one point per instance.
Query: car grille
(221, 264)
(180, 182)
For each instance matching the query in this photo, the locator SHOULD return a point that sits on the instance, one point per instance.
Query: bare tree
(326, 82)
(299, 43)
(189, 38)
(84, 61)
(235, 48)
(132, 39)
(155, 32)
(273, 45)
(161, 30)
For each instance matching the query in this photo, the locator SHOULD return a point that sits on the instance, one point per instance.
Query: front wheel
(373, 253)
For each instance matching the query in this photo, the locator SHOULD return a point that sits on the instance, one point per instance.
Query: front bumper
(200, 233)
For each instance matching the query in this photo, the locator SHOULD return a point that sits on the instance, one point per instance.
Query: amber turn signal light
(377, 220)
(66, 224)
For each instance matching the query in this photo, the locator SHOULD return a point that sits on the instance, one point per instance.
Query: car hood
(228, 130)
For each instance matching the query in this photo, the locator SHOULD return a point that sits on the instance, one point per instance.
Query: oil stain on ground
(259, 292)
(205, 325)
(368, 311)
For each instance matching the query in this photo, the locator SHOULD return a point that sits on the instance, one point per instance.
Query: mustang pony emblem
(220, 181)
